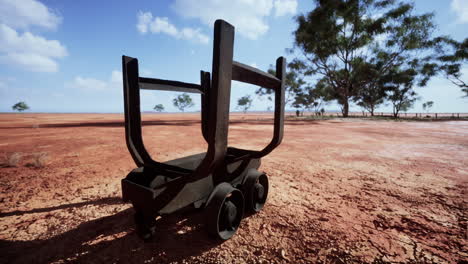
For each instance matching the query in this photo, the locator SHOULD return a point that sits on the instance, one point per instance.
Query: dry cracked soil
(341, 191)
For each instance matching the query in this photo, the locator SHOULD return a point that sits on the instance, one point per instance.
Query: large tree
(451, 57)
(399, 84)
(339, 38)
(293, 84)
(372, 89)
(308, 98)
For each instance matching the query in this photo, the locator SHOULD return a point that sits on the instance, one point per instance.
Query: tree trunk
(345, 108)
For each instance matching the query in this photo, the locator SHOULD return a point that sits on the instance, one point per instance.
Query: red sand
(342, 191)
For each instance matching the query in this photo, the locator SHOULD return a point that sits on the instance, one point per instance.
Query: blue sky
(65, 56)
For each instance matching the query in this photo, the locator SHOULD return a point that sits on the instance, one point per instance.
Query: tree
(183, 101)
(340, 38)
(427, 105)
(372, 92)
(245, 102)
(20, 106)
(159, 108)
(292, 83)
(451, 56)
(307, 99)
(400, 86)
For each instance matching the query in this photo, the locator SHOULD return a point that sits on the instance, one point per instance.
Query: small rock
(283, 254)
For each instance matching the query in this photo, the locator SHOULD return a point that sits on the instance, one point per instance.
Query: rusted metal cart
(225, 181)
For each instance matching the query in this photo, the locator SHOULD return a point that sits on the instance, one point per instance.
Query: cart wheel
(255, 191)
(224, 211)
(145, 225)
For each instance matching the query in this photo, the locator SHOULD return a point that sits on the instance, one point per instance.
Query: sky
(65, 56)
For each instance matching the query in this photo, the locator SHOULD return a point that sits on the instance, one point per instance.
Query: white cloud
(190, 33)
(144, 19)
(10, 41)
(24, 13)
(162, 25)
(285, 7)
(29, 51)
(460, 7)
(248, 16)
(30, 61)
(116, 77)
(90, 84)
(146, 24)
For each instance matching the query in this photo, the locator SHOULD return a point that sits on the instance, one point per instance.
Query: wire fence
(404, 115)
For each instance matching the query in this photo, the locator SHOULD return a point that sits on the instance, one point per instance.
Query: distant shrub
(11, 160)
(39, 160)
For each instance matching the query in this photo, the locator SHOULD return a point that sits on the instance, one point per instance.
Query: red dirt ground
(342, 191)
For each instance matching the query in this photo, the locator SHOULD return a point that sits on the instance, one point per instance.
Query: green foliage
(159, 108)
(450, 57)
(20, 106)
(245, 102)
(372, 91)
(427, 105)
(399, 83)
(293, 84)
(354, 43)
(308, 98)
(183, 101)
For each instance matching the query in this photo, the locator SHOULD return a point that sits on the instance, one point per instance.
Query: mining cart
(223, 181)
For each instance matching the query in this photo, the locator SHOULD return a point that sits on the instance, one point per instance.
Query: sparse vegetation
(427, 105)
(11, 159)
(183, 101)
(20, 106)
(159, 108)
(245, 102)
(353, 50)
(39, 160)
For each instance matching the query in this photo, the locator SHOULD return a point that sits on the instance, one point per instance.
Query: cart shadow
(112, 239)
(103, 201)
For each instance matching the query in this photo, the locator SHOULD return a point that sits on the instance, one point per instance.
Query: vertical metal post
(219, 98)
(132, 111)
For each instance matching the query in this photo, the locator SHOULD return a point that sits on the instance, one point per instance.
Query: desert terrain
(341, 191)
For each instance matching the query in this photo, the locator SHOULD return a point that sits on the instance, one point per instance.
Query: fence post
(436, 115)
(458, 115)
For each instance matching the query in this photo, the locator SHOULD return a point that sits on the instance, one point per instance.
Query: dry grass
(39, 160)
(11, 159)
